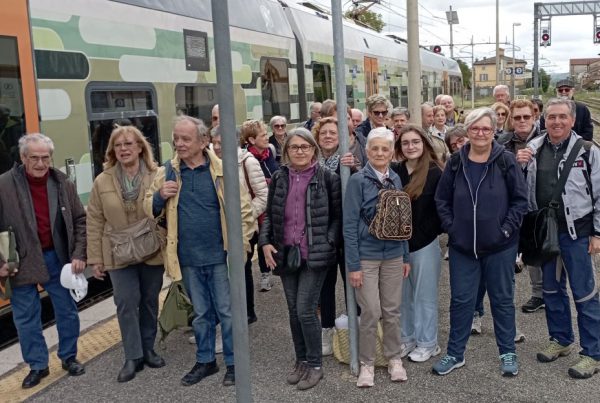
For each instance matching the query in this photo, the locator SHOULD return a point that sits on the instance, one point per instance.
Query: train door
(18, 98)
(371, 76)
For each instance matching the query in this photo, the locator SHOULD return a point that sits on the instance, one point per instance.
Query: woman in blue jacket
(481, 200)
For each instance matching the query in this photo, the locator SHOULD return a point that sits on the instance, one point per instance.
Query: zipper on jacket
(474, 201)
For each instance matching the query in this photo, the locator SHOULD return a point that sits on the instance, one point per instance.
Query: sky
(572, 37)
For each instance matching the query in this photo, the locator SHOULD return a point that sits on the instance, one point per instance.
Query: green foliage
(369, 18)
(466, 73)
(544, 80)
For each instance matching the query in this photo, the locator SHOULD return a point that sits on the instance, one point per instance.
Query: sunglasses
(501, 114)
(518, 118)
(380, 113)
(279, 126)
(563, 90)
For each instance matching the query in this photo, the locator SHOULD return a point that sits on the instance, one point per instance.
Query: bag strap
(564, 174)
(252, 195)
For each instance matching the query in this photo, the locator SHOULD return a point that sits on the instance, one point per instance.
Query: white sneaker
(218, 341)
(366, 377)
(265, 282)
(422, 354)
(327, 340)
(192, 339)
(519, 336)
(476, 325)
(406, 348)
(397, 371)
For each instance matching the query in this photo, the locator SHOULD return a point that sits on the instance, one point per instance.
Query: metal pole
(512, 76)
(414, 61)
(536, 47)
(340, 96)
(451, 40)
(497, 41)
(473, 75)
(235, 256)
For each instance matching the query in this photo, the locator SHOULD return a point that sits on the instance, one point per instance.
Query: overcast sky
(572, 37)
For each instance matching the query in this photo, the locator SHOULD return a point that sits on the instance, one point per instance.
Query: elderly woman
(456, 137)
(278, 125)
(481, 200)
(116, 201)
(503, 119)
(299, 238)
(378, 108)
(329, 110)
(400, 118)
(439, 127)
(376, 267)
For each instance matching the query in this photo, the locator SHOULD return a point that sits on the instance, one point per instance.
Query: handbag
(292, 259)
(538, 240)
(136, 242)
(8, 250)
(393, 215)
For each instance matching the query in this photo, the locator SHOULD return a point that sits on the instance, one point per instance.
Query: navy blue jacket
(490, 222)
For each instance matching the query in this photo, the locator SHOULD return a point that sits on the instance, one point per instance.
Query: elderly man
(426, 116)
(42, 207)
(189, 190)
(357, 117)
(214, 116)
(315, 115)
(565, 89)
(578, 235)
(400, 117)
(452, 114)
(501, 94)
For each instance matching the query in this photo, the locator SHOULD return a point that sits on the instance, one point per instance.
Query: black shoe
(199, 372)
(229, 378)
(73, 367)
(153, 360)
(533, 305)
(252, 319)
(129, 369)
(34, 377)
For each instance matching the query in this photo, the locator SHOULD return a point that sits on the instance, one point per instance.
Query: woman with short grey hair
(378, 107)
(278, 126)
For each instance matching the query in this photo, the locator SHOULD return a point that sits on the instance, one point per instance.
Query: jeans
(262, 264)
(135, 290)
(302, 291)
(480, 295)
(498, 272)
(208, 288)
(419, 309)
(577, 265)
(26, 307)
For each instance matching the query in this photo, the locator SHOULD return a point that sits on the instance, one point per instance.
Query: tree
(368, 18)
(544, 80)
(466, 73)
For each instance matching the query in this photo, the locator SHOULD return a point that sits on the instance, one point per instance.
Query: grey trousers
(136, 290)
(535, 279)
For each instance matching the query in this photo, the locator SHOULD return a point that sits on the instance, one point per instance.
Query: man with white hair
(315, 115)
(452, 114)
(41, 206)
(501, 94)
(357, 117)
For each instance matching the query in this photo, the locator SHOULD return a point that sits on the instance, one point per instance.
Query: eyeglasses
(380, 113)
(563, 90)
(484, 130)
(518, 118)
(37, 158)
(304, 147)
(414, 143)
(279, 126)
(127, 144)
(501, 113)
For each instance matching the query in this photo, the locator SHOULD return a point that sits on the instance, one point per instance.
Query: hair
(305, 135)
(362, 115)
(328, 108)
(317, 128)
(25, 140)
(380, 133)
(277, 118)
(438, 99)
(377, 99)
(314, 105)
(561, 101)
(457, 130)
(438, 108)
(521, 103)
(501, 105)
(399, 111)
(539, 103)
(110, 157)
(500, 87)
(476, 114)
(201, 129)
(415, 187)
(251, 129)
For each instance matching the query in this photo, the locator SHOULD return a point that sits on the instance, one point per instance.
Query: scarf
(260, 155)
(130, 188)
(332, 162)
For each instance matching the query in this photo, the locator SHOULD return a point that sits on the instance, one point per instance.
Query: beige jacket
(216, 170)
(106, 211)
(256, 181)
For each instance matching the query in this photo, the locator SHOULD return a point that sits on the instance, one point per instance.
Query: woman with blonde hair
(115, 203)
(502, 119)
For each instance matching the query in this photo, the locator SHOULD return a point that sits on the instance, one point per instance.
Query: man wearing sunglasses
(583, 120)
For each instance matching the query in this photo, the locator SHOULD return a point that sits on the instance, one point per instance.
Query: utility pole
(512, 77)
(497, 41)
(414, 61)
(452, 17)
(473, 74)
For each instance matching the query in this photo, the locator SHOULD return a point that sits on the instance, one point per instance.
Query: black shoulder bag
(538, 240)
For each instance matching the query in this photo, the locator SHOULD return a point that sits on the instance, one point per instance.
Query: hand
(347, 160)
(77, 266)
(98, 272)
(168, 189)
(268, 251)
(5, 271)
(524, 156)
(406, 268)
(594, 245)
(356, 279)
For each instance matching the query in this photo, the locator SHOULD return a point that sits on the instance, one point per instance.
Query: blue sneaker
(509, 365)
(446, 365)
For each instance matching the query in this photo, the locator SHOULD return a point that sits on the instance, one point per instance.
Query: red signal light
(437, 49)
(546, 37)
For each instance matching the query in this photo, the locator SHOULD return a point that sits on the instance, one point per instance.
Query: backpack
(393, 214)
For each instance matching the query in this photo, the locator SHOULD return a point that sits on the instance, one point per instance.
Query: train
(71, 68)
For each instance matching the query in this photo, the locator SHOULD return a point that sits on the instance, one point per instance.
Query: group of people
(452, 167)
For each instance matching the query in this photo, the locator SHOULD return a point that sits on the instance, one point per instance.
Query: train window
(51, 64)
(322, 82)
(196, 100)
(394, 96)
(404, 96)
(124, 104)
(12, 125)
(350, 95)
(275, 87)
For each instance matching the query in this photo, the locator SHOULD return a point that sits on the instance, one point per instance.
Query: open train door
(371, 76)
(18, 96)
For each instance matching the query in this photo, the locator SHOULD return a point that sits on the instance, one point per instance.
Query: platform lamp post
(452, 17)
(515, 24)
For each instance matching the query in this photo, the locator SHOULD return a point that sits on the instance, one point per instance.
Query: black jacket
(323, 217)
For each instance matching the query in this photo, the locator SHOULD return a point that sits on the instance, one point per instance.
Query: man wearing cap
(583, 119)
(41, 206)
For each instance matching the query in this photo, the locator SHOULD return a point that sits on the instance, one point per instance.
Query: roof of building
(492, 60)
(584, 62)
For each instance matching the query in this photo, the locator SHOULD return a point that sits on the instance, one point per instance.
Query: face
(300, 153)
(412, 145)
(328, 138)
(356, 118)
(522, 120)
(216, 142)
(501, 96)
(558, 122)
(315, 112)
(279, 128)
(536, 112)
(378, 115)
(564, 92)
(439, 119)
(127, 149)
(427, 116)
(481, 133)
(379, 153)
(456, 142)
(399, 122)
(38, 159)
(214, 118)
(501, 114)
(186, 141)
(261, 141)
(448, 104)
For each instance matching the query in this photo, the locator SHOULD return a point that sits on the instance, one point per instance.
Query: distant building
(485, 73)
(585, 72)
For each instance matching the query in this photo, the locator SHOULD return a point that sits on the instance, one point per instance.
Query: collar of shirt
(382, 176)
